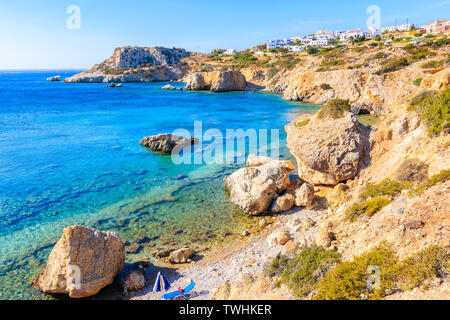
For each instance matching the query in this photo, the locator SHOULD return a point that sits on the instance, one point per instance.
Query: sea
(70, 155)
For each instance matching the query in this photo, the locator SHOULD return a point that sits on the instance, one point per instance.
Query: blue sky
(34, 33)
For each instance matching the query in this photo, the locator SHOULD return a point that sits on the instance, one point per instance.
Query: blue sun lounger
(179, 292)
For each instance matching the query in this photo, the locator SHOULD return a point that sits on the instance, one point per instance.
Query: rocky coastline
(349, 197)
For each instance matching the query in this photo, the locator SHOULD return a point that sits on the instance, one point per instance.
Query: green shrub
(312, 50)
(412, 170)
(392, 65)
(332, 62)
(387, 187)
(351, 280)
(443, 41)
(302, 123)
(287, 62)
(437, 178)
(368, 208)
(418, 81)
(434, 108)
(270, 73)
(301, 272)
(418, 53)
(420, 98)
(330, 53)
(433, 64)
(335, 108)
(427, 264)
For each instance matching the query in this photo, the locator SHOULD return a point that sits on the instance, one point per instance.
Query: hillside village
(325, 38)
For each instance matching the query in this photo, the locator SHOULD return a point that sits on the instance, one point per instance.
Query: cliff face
(135, 64)
(132, 57)
(217, 81)
(368, 92)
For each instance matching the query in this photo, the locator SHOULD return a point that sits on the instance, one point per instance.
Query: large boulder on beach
(283, 203)
(304, 196)
(166, 142)
(82, 262)
(328, 150)
(133, 281)
(181, 255)
(216, 81)
(254, 187)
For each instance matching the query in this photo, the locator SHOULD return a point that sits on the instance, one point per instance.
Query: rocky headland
(136, 64)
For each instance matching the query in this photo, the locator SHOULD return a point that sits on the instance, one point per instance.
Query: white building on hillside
(403, 27)
(280, 43)
(230, 52)
(438, 26)
(296, 48)
(346, 35)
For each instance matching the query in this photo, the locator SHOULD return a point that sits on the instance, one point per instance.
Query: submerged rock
(254, 188)
(166, 142)
(82, 263)
(216, 81)
(328, 150)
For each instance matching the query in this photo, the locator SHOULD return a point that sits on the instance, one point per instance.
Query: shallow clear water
(70, 154)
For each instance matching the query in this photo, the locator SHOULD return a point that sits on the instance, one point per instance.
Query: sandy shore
(232, 261)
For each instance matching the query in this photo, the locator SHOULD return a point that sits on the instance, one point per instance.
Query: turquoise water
(70, 154)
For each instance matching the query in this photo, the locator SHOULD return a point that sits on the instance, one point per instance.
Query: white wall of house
(296, 48)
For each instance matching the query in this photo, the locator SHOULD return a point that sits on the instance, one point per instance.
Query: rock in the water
(304, 196)
(328, 150)
(283, 203)
(166, 142)
(55, 78)
(181, 256)
(133, 281)
(216, 81)
(170, 87)
(254, 188)
(82, 263)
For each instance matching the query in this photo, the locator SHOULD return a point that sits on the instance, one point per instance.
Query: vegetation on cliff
(376, 196)
(335, 109)
(301, 271)
(377, 273)
(434, 108)
(435, 179)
